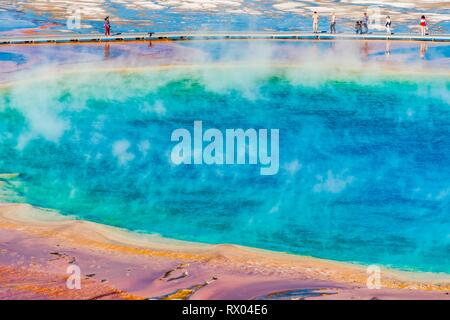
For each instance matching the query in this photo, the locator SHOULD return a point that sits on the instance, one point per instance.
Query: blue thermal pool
(364, 170)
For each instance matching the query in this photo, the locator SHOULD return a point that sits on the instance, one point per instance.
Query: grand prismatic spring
(363, 171)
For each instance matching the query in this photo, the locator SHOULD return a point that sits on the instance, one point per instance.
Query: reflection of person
(423, 50)
(106, 50)
(107, 26)
(333, 23)
(315, 22)
(365, 23)
(365, 50)
(388, 48)
(423, 26)
(388, 25)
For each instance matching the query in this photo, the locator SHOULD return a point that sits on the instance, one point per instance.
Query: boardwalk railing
(178, 36)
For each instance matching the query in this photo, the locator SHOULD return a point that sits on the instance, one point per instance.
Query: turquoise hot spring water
(364, 159)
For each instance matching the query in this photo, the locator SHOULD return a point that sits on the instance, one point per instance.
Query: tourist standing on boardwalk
(423, 26)
(388, 25)
(365, 23)
(315, 22)
(333, 23)
(107, 26)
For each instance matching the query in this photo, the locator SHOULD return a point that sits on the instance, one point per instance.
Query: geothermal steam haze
(220, 67)
(362, 132)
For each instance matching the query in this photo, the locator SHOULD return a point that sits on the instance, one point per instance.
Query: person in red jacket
(423, 26)
(107, 27)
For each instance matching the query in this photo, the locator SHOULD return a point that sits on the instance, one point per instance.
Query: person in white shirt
(315, 22)
(333, 23)
(365, 23)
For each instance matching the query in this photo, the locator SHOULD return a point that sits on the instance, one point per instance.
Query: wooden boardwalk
(179, 36)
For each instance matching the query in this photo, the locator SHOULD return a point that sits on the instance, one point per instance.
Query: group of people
(362, 26)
